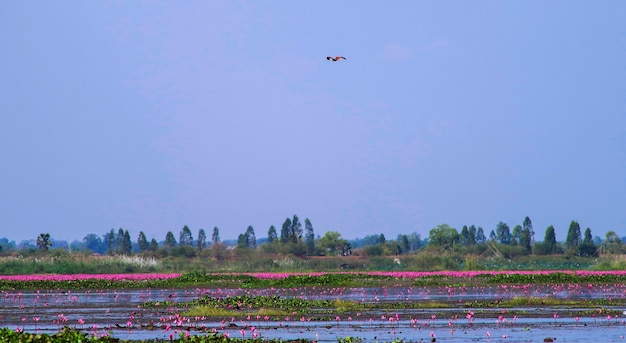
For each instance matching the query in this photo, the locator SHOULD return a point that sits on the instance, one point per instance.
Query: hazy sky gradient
(154, 115)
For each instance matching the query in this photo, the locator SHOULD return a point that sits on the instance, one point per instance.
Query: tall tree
(285, 231)
(550, 240)
(185, 238)
(142, 242)
(44, 242)
(480, 236)
(154, 245)
(587, 248)
(295, 233)
(109, 238)
(272, 235)
(201, 239)
(127, 245)
(516, 235)
(528, 224)
(170, 240)
(573, 235)
(471, 235)
(119, 242)
(588, 237)
(309, 237)
(215, 238)
(415, 240)
(503, 234)
(464, 236)
(525, 241)
(242, 241)
(404, 244)
(250, 237)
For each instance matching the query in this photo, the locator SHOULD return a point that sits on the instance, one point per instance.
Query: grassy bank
(63, 262)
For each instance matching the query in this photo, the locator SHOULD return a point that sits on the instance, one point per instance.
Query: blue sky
(154, 115)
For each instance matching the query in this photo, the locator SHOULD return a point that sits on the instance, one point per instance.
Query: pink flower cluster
(397, 274)
(456, 274)
(74, 277)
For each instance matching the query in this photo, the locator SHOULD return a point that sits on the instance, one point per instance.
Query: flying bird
(335, 59)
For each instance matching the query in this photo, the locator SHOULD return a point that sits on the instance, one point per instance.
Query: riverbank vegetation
(295, 247)
(316, 279)
(428, 259)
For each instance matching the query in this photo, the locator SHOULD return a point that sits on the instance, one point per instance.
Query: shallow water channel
(120, 313)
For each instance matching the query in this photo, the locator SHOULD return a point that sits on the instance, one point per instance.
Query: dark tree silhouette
(142, 242)
(201, 239)
(44, 242)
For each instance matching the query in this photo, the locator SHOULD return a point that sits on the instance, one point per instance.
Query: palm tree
(43, 241)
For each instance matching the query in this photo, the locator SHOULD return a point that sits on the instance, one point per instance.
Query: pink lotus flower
(75, 277)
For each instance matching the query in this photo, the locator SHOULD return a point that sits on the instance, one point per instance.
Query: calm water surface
(120, 314)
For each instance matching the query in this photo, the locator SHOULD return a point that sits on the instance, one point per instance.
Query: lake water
(120, 314)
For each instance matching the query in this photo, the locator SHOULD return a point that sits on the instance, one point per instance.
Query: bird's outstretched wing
(335, 59)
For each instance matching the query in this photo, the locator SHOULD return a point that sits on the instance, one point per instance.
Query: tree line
(521, 240)
(299, 239)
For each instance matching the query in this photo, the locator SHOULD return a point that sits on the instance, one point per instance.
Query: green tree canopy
(587, 248)
(154, 245)
(503, 233)
(272, 235)
(403, 242)
(574, 235)
(443, 236)
(285, 232)
(526, 241)
(120, 245)
(309, 237)
(295, 231)
(215, 238)
(612, 243)
(127, 245)
(550, 240)
(471, 235)
(201, 239)
(185, 237)
(464, 236)
(142, 242)
(516, 235)
(110, 242)
(480, 235)
(250, 237)
(528, 225)
(588, 237)
(170, 240)
(94, 243)
(331, 243)
(242, 241)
